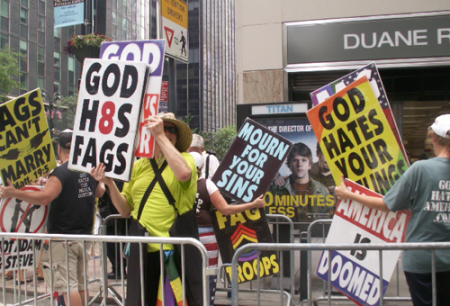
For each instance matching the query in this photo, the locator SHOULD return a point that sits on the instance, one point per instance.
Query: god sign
(106, 121)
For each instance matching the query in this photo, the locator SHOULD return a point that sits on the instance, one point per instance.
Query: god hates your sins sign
(107, 117)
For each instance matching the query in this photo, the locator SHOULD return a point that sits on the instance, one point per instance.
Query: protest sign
(151, 52)
(18, 216)
(371, 72)
(240, 229)
(317, 200)
(106, 121)
(356, 138)
(26, 151)
(356, 273)
(252, 162)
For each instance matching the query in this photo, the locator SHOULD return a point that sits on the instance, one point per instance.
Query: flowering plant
(78, 42)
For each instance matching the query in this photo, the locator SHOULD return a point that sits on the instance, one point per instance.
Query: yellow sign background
(26, 150)
(176, 11)
(356, 138)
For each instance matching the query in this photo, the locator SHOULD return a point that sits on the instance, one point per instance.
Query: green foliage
(220, 141)
(9, 61)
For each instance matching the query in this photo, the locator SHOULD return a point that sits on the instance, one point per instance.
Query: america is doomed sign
(107, 117)
(356, 273)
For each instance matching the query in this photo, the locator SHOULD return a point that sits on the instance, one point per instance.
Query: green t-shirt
(424, 189)
(158, 215)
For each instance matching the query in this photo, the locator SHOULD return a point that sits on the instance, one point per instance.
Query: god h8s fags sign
(107, 117)
(356, 273)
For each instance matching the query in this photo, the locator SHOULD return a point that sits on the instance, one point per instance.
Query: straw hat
(184, 137)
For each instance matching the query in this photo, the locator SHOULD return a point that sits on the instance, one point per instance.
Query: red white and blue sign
(151, 52)
(356, 273)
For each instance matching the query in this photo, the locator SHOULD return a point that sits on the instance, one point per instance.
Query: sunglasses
(171, 129)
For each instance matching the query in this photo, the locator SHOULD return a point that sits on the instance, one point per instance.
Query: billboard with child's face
(303, 189)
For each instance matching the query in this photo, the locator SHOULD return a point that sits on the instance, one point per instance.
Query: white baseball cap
(198, 159)
(441, 125)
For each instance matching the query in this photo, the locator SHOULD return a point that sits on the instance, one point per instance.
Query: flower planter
(86, 52)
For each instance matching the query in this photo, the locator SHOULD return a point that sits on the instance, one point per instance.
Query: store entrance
(417, 97)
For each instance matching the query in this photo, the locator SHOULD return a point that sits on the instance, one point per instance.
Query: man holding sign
(172, 138)
(72, 197)
(424, 189)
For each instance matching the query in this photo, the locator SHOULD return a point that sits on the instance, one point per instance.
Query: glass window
(41, 38)
(57, 66)
(5, 9)
(71, 69)
(57, 32)
(41, 54)
(41, 23)
(23, 15)
(24, 3)
(24, 83)
(41, 69)
(24, 51)
(42, 7)
(4, 40)
(40, 82)
(23, 31)
(5, 24)
(56, 86)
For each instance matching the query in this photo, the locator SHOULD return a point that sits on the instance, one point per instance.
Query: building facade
(204, 89)
(287, 49)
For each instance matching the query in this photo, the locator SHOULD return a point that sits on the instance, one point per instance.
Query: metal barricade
(21, 297)
(335, 247)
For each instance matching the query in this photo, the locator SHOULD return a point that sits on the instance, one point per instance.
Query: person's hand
(156, 126)
(7, 191)
(342, 191)
(281, 181)
(98, 173)
(259, 202)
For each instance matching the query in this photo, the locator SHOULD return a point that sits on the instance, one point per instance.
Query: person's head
(64, 143)
(178, 132)
(439, 132)
(197, 145)
(323, 164)
(299, 162)
(198, 160)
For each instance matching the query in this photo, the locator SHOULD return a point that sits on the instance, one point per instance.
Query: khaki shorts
(58, 269)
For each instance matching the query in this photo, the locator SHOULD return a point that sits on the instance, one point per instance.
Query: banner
(26, 151)
(68, 12)
(356, 273)
(356, 138)
(316, 200)
(106, 121)
(371, 72)
(18, 216)
(251, 163)
(240, 229)
(151, 52)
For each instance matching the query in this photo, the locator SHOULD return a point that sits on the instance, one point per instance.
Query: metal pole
(88, 16)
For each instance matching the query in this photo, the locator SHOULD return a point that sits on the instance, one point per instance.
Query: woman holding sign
(172, 138)
(424, 189)
(208, 194)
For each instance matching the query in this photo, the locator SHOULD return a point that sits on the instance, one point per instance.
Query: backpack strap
(162, 184)
(150, 188)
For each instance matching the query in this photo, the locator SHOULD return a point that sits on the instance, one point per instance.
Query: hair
(442, 141)
(299, 149)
